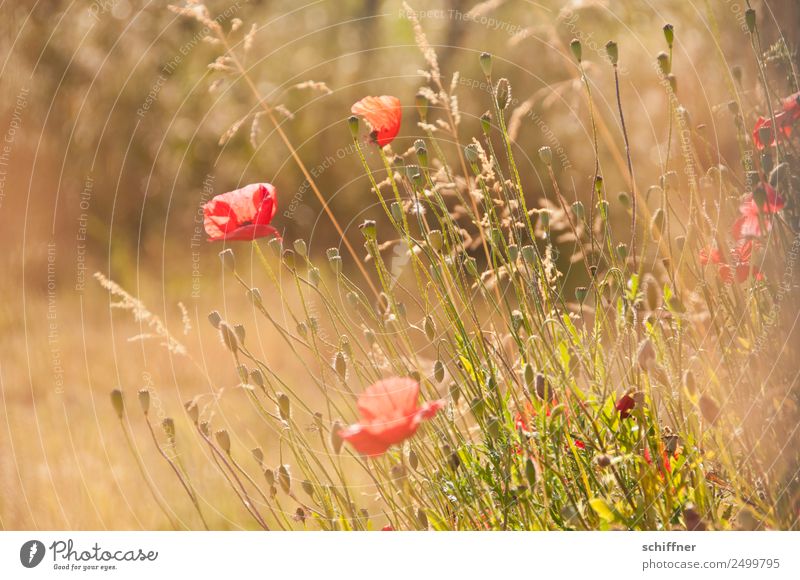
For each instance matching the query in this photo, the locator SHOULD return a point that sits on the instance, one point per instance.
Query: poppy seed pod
(314, 276)
(612, 50)
(228, 259)
(117, 402)
(369, 229)
(529, 254)
(240, 332)
(144, 400)
(546, 155)
(223, 440)
(575, 47)
(300, 247)
(471, 154)
(421, 102)
(581, 292)
(284, 406)
(486, 63)
(214, 318)
(284, 478)
(352, 123)
(673, 83)
(503, 92)
(229, 337)
(436, 240)
(430, 327)
(308, 487)
(669, 34)
(397, 212)
(336, 264)
(486, 122)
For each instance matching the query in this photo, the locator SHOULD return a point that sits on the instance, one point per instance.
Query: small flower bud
(214, 318)
(486, 63)
(352, 123)
(486, 122)
(455, 393)
(581, 292)
(300, 247)
(369, 230)
(229, 338)
(646, 353)
(422, 519)
(673, 83)
(336, 439)
(314, 276)
(192, 410)
(413, 460)
(117, 402)
(340, 364)
(422, 152)
(689, 381)
(269, 475)
(541, 387)
(624, 199)
(240, 333)
(436, 240)
(669, 34)
(622, 251)
(255, 297)
(438, 371)
(308, 487)
(397, 212)
(663, 63)
(603, 461)
(750, 19)
(430, 327)
(284, 478)
(529, 254)
(144, 400)
(471, 154)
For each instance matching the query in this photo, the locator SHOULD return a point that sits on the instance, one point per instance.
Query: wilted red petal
(242, 214)
(383, 114)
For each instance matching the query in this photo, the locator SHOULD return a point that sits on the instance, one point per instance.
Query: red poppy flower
(580, 444)
(625, 405)
(739, 269)
(383, 115)
(666, 464)
(387, 528)
(390, 414)
(749, 223)
(242, 214)
(784, 121)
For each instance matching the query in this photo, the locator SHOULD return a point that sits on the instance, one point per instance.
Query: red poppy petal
(363, 441)
(389, 399)
(383, 114)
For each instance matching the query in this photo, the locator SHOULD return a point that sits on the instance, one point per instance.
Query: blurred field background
(111, 142)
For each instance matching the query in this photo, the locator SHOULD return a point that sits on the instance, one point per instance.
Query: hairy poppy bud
(308, 487)
(144, 400)
(673, 83)
(503, 94)
(528, 374)
(229, 337)
(438, 371)
(269, 475)
(471, 154)
(436, 240)
(575, 47)
(455, 393)
(300, 247)
(284, 478)
(613, 52)
(284, 406)
(486, 63)
(228, 259)
(397, 212)
(240, 332)
(117, 403)
(223, 440)
(340, 365)
(546, 155)
(421, 101)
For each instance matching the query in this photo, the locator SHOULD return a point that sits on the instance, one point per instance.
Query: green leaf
(602, 509)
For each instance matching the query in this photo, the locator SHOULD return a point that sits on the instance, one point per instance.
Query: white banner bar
(399, 555)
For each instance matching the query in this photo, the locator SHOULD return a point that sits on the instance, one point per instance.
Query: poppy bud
(430, 327)
(546, 155)
(436, 240)
(413, 460)
(624, 199)
(243, 373)
(750, 19)
(370, 336)
(269, 475)
(204, 428)
(471, 154)
(284, 478)
(613, 52)
(117, 403)
(673, 83)
(540, 386)
(438, 371)
(575, 47)
(258, 455)
(228, 259)
(513, 252)
(336, 439)
(663, 63)
(214, 318)
(657, 223)
(223, 440)
(340, 365)
(421, 101)
(228, 336)
(556, 412)
(503, 94)
(471, 264)
(352, 123)
(369, 229)
(709, 408)
(530, 472)
(455, 393)
(169, 428)
(528, 374)
(578, 210)
(669, 34)
(544, 216)
(144, 400)
(581, 292)
(486, 122)
(422, 152)
(308, 487)
(622, 251)
(314, 276)
(486, 63)
(336, 264)
(284, 406)
(300, 247)
(493, 427)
